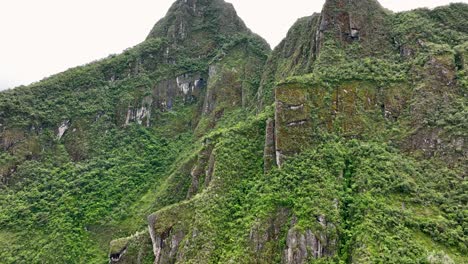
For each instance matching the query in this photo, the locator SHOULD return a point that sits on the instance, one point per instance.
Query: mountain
(345, 144)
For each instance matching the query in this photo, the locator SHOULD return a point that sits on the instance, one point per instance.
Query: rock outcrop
(269, 152)
(130, 250)
(203, 170)
(295, 55)
(293, 126)
(228, 82)
(301, 247)
(63, 128)
(364, 21)
(358, 109)
(437, 89)
(186, 88)
(190, 24)
(167, 229)
(140, 114)
(265, 234)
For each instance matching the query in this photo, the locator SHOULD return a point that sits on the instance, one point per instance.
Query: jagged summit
(187, 17)
(197, 28)
(354, 20)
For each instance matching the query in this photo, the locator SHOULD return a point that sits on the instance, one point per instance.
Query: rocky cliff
(345, 144)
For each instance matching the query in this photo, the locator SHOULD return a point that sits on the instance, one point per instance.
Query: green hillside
(345, 144)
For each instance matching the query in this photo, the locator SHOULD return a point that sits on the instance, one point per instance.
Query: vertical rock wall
(293, 127)
(269, 153)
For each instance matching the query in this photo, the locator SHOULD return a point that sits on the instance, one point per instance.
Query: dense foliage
(63, 207)
(378, 176)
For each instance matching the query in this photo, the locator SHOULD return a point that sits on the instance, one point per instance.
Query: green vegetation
(371, 126)
(60, 204)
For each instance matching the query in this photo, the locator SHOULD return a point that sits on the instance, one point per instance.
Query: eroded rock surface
(293, 125)
(301, 247)
(269, 153)
(203, 169)
(186, 88)
(63, 128)
(348, 21)
(167, 229)
(264, 236)
(130, 250)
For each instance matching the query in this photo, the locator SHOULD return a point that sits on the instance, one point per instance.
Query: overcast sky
(43, 37)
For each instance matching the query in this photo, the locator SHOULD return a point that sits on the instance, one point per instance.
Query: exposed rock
(358, 20)
(264, 236)
(130, 250)
(187, 87)
(63, 128)
(167, 229)
(303, 110)
(269, 152)
(302, 247)
(295, 55)
(438, 89)
(141, 114)
(297, 123)
(354, 34)
(210, 98)
(296, 107)
(190, 84)
(118, 249)
(180, 24)
(406, 51)
(210, 170)
(229, 85)
(292, 121)
(203, 167)
(227, 88)
(166, 245)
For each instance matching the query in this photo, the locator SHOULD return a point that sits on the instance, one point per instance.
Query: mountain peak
(186, 18)
(354, 20)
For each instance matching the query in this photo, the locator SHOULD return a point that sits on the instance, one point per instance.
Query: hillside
(345, 144)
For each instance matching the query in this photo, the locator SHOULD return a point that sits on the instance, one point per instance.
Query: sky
(39, 38)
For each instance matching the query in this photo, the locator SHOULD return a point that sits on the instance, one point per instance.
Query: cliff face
(295, 55)
(147, 108)
(357, 82)
(349, 21)
(188, 57)
(346, 144)
(361, 67)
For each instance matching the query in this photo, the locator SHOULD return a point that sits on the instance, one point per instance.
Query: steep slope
(87, 154)
(295, 55)
(352, 145)
(347, 146)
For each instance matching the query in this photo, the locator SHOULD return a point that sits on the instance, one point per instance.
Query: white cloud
(40, 38)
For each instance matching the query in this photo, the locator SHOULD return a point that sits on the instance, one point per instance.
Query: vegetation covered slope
(87, 154)
(346, 146)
